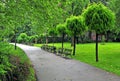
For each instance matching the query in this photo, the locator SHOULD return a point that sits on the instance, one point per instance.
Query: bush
(14, 64)
(22, 38)
(4, 58)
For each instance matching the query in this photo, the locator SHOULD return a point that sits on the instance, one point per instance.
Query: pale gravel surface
(50, 67)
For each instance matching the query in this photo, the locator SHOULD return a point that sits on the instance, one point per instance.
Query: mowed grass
(109, 55)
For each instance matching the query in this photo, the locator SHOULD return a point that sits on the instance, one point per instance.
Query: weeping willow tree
(100, 19)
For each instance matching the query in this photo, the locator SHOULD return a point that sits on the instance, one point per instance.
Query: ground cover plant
(14, 64)
(109, 54)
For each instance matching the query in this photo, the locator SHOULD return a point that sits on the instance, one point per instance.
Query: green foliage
(96, 1)
(72, 7)
(22, 38)
(114, 6)
(5, 65)
(19, 39)
(14, 63)
(32, 38)
(36, 36)
(23, 35)
(25, 28)
(61, 28)
(52, 32)
(75, 25)
(36, 15)
(99, 18)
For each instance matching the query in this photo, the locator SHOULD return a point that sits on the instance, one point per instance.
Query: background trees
(41, 15)
(44, 14)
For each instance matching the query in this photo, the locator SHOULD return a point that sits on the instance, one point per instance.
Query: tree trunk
(77, 41)
(15, 44)
(72, 41)
(62, 41)
(74, 48)
(15, 40)
(97, 47)
(89, 34)
(53, 40)
(36, 40)
(46, 40)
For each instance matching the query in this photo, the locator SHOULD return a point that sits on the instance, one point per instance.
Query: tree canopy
(99, 18)
(75, 25)
(61, 28)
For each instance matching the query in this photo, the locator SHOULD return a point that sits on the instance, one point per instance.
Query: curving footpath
(50, 67)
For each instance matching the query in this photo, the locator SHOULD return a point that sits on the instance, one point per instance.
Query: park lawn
(109, 55)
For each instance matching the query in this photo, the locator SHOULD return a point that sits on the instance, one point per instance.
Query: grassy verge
(15, 65)
(27, 66)
(109, 55)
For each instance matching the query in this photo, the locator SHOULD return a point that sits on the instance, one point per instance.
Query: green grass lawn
(109, 55)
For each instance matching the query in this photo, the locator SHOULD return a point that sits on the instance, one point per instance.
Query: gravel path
(50, 67)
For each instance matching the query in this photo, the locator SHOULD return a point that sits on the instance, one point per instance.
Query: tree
(74, 7)
(52, 32)
(100, 19)
(76, 26)
(61, 28)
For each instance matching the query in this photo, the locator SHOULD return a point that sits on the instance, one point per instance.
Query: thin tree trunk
(46, 40)
(74, 45)
(77, 41)
(35, 40)
(89, 34)
(97, 48)
(53, 40)
(15, 40)
(15, 44)
(72, 41)
(41, 40)
(62, 42)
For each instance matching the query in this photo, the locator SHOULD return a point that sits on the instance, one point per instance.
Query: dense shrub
(22, 38)
(14, 64)
(4, 55)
